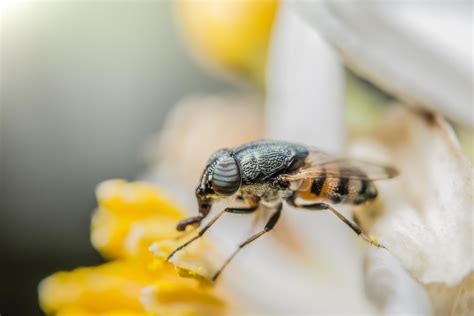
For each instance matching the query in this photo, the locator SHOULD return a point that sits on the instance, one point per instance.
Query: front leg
(193, 221)
(235, 210)
(204, 206)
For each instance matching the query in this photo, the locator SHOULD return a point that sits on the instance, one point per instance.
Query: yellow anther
(155, 265)
(374, 240)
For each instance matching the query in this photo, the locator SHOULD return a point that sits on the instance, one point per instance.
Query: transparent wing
(321, 164)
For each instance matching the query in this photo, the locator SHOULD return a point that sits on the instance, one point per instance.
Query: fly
(269, 172)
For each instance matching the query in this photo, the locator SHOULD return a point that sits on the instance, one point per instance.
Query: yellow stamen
(374, 240)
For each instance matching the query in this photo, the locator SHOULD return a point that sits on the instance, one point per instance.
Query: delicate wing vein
(321, 164)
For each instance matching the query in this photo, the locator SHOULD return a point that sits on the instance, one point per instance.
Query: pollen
(134, 227)
(374, 240)
(155, 265)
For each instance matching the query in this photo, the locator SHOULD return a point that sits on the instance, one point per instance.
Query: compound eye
(226, 178)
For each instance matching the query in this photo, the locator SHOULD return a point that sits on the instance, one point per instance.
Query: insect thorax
(262, 160)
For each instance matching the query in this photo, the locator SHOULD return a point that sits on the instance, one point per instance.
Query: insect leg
(243, 210)
(268, 227)
(189, 221)
(353, 226)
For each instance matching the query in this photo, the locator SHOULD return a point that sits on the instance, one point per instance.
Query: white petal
(305, 99)
(428, 224)
(392, 288)
(418, 50)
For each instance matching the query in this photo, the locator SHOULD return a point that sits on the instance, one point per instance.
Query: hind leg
(324, 206)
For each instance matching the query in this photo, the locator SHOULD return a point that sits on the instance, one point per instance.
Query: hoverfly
(269, 172)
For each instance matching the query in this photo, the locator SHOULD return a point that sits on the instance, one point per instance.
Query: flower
(128, 215)
(231, 34)
(134, 226)
(425, 216)
(129, 218)
(426, 219)
(310, 263)
(311, 255)
(414, 65)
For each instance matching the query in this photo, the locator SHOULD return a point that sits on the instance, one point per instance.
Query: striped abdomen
(339, 189)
